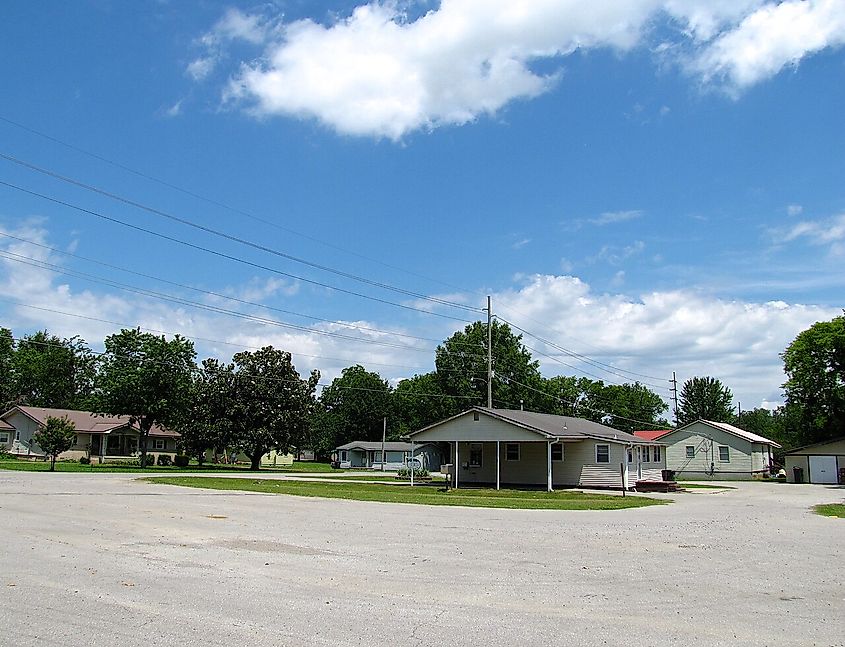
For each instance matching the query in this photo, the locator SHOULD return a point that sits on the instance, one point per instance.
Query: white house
(520, 448)
(367, 454)
(100, 437)
(717, 450)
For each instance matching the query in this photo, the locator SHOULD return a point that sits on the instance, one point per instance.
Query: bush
(181, 460)
(164, 460)
(5, 456)
(84, 460)
(150, 460)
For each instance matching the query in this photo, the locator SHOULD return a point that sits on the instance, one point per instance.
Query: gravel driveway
(107, 560)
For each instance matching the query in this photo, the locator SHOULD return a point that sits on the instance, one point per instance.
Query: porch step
(657, 486)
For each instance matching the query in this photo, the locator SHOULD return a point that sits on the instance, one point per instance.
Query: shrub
(5, 456)
(181, 460)
(164, 460)
(84, 460)
(150, 460)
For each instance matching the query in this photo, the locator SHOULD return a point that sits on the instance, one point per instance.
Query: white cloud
(615, 255)
(829, 232)
(794, 209)
(660, 332)
(201, 67)
(612, 217)
(770, 38)
(521, 243)
(378, 73)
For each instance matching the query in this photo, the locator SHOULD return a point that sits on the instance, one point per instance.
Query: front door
(823, 469)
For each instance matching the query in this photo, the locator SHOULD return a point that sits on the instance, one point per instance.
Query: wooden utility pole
(489, 353)
(674, 391)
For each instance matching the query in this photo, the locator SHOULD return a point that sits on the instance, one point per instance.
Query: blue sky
(655, 184)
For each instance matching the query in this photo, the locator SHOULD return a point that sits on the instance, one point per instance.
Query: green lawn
(321, 469)
(429, 495)
(831, 510)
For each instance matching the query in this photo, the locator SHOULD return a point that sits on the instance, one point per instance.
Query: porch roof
(370, 446)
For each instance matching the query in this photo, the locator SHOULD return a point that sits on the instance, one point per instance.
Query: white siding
(706, 440)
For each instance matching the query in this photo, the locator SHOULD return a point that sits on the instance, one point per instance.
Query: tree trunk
(52, 462)
(255, 461)
(142, 441)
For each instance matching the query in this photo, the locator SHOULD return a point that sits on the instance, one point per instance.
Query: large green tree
(208, 424)
(7, 377)
(269, 405)
(705, 398)
(420, 401)
(461, 367)
(815, 367)
(52, 372)
(55, 437)
(353, 407)
(147, 378)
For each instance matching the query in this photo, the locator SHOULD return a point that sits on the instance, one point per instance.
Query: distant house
(819, 463)
(498, 447)
(367, 455)
(102, 438)
(717, 450)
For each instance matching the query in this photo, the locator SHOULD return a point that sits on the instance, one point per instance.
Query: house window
(158, 444)
(376, 457)
(646, 454)
(512, 451)
(344, 456)
(656, 453)
(724, 454)
(557, 453)
(690, 451)
(4, 438)
(475, 416)
(630, 455)
(602, 453)
(475, 455)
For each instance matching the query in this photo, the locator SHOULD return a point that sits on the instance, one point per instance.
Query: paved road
(107, 560)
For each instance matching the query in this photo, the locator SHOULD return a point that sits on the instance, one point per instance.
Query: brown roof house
(100, 437)
(499, 447)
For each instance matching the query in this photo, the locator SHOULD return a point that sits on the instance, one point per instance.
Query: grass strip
(831, 510)
(306, 469)
(426, 495)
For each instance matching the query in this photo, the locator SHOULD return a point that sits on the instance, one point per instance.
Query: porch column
(103, 442)
(549, 457)
(410, 464)
(457, 464)
(498, 454)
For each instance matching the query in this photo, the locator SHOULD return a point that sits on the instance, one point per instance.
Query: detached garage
(820, 463)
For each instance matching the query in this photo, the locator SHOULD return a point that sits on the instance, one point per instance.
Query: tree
(461, 366)
(53, 372)
(705, 398)
(147, 378)
(208, 424)
(269, 406)
(419, 401)
(55, 437)
(815, 367)
(7, 383)
(353, 407)
(627, 407)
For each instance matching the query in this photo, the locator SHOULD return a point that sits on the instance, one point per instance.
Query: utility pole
(674, 391)
(383, 438)
(489, 353)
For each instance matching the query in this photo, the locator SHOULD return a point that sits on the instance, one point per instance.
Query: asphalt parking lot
(108, 560)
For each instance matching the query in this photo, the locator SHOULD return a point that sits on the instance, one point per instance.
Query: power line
(609, 368)
(200, 290)
(583, 406)
(268, 378)
(218, 203)
(231, 237)
(207, 250)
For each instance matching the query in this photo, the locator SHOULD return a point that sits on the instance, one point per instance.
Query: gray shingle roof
(88, 422)
(390, 446)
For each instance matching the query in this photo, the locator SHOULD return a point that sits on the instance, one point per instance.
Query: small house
(368, 455)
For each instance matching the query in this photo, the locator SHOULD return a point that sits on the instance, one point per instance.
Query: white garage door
(823, 469)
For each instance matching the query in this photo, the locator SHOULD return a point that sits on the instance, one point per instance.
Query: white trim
(498, 467)
(549, 459)
(607, 462)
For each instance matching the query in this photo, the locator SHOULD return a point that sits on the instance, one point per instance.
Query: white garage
(822, 463)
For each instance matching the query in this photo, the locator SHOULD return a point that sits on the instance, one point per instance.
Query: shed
(822, 462)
